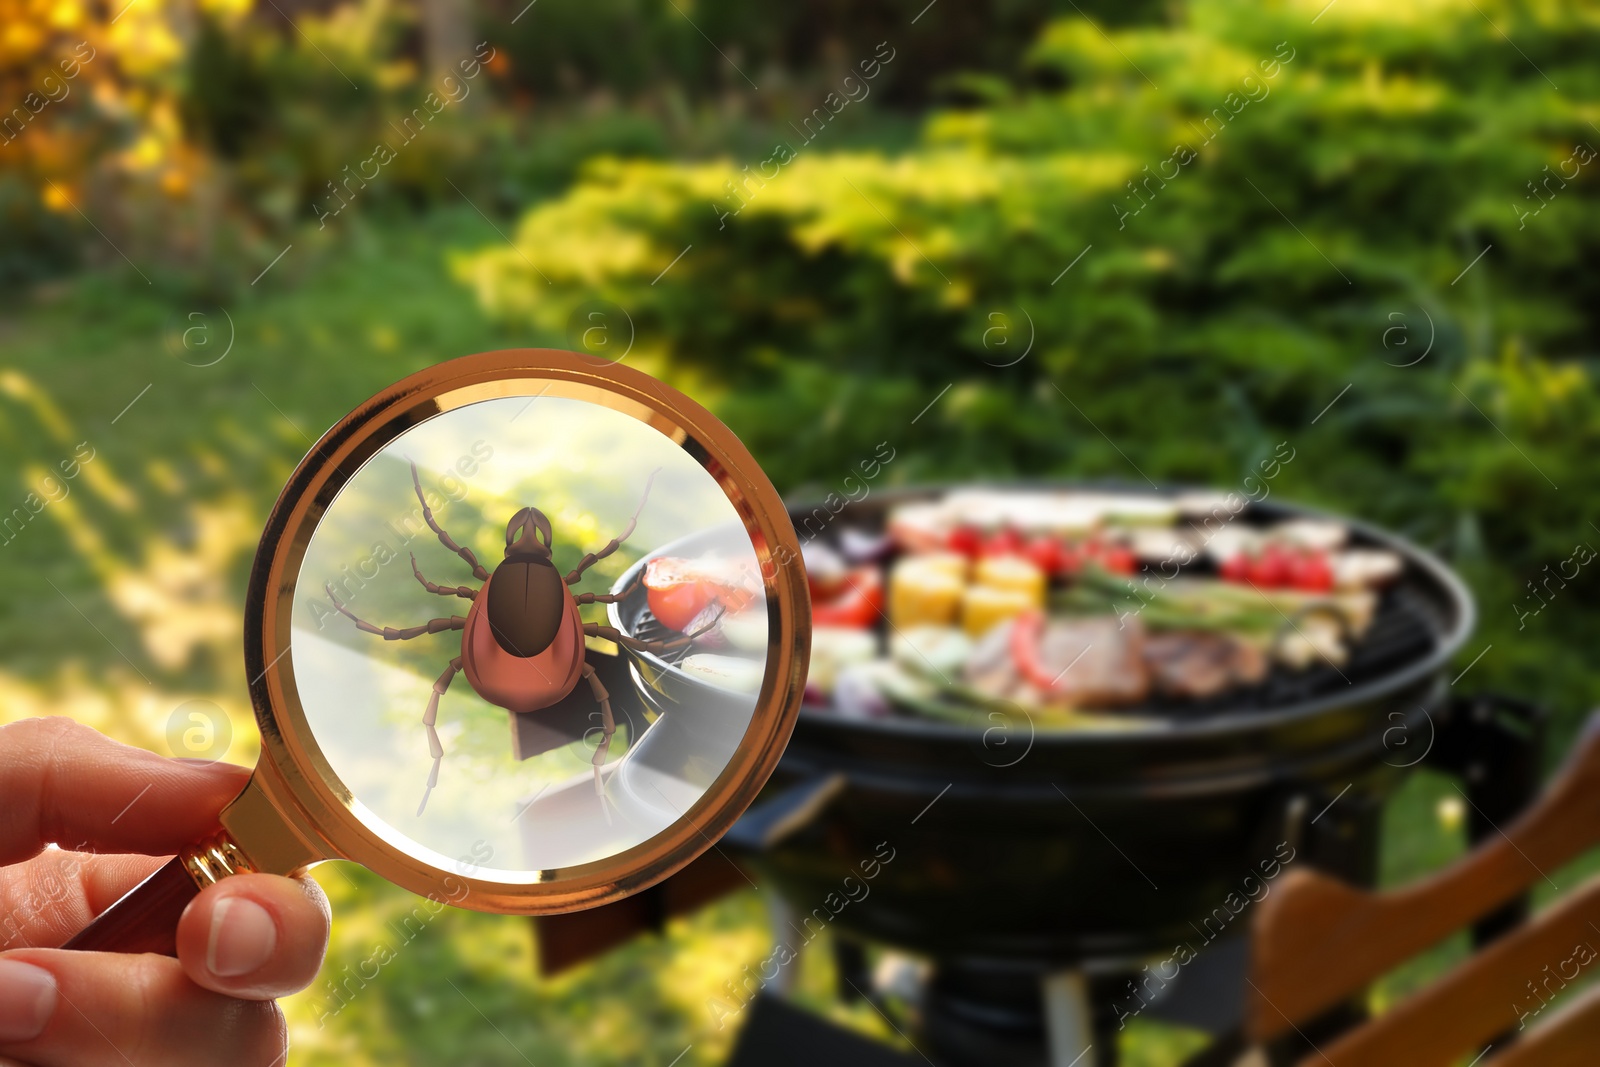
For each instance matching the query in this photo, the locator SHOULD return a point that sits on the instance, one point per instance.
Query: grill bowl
(1048, 847)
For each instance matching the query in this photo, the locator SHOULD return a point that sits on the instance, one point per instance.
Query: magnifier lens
(452, 642)
(526, 632)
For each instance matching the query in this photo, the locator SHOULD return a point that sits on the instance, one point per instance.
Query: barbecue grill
(1023, 852)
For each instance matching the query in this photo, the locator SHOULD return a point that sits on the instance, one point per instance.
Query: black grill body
(1050, 846)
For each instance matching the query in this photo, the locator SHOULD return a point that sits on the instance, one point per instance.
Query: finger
(255, 936)
(57, 893)
(67, 784)
(93, 1009)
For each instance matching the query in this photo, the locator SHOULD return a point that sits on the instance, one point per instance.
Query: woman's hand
(241, 943)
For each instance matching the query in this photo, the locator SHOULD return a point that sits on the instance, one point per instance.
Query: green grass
(124, 599)
(327, 327)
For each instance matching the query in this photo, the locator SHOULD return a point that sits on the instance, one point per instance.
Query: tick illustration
(522, 645)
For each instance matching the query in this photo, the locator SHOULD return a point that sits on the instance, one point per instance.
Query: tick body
(512, 681)
(522, 640)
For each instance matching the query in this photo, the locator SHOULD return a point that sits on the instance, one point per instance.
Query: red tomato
(1236, 568)
(859, 606)
(1048, 554)
(965, 540)
(1004, 542)
(1312, 573)
(1119, 559)
(679, 589)
(1272, 569)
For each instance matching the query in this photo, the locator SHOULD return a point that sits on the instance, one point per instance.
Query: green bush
(706, 48)
(1321, 232)
(38, 243)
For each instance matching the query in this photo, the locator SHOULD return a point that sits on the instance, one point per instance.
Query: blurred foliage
(638, 48)
(1292, 212)
(193, 137)
(190, 142)
(53, 66)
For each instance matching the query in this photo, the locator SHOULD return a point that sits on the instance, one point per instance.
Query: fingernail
(27, 1000)
(243, 935)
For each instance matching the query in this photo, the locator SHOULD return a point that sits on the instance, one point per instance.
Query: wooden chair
(1318, 942)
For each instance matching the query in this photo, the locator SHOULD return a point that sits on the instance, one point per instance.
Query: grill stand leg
(1495, 745)
(779, 917)
(1069, 1023)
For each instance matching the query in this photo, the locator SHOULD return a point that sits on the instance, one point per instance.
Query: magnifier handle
(146, 918)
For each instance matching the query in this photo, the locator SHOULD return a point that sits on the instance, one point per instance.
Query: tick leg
(609, 598)
(389, 633)
(429, 717)
(608, 727)
(616, 542)
(462, 591)
(444, 538)
(611, 633)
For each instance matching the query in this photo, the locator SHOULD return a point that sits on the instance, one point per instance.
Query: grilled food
(1202, 663)
(1092, 662)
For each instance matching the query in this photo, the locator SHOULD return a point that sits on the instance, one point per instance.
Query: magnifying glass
(433, 640)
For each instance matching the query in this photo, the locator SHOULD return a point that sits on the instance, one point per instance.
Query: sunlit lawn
(123, 601)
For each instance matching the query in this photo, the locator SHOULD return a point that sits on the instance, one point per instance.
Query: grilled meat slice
(1094, 663)
(1200, 663)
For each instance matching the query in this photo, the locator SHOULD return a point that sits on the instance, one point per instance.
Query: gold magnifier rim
(296, 777)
